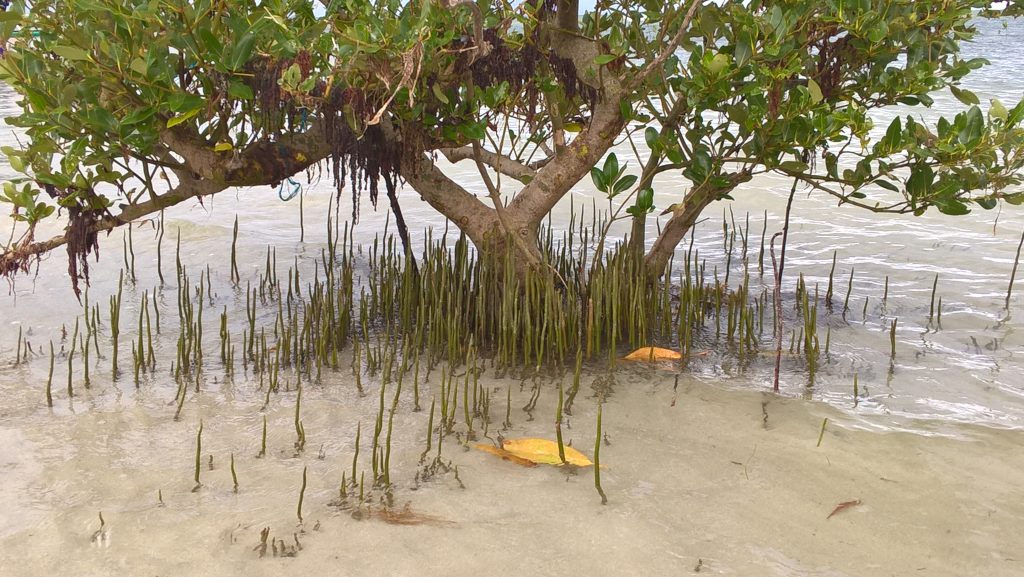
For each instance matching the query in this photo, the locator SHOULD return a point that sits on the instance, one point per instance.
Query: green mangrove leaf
(70, 52)
(963, 95)
(815, 90)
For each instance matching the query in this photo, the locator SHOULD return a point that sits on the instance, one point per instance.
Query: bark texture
(682, 221)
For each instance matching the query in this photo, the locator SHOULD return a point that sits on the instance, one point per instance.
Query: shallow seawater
(704, 467)
(731, 481)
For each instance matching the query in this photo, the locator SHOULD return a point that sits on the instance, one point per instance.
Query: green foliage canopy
(132, 106)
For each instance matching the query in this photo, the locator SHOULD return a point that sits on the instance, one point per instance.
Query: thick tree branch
(500, 163)
(20, 257)
(527, 249)
(449, 198)
(895, 208)
(566, 42)
(568, 15)
(570, 164)
(683, 220)
(261, 163)
(669, 48)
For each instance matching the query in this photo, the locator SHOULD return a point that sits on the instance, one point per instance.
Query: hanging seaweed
(358, 160)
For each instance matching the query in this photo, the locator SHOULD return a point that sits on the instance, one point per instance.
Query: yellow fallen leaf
(544, 451)
(505, 454)
(653, 354)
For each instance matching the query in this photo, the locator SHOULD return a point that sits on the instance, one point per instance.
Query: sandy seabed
(699, 479)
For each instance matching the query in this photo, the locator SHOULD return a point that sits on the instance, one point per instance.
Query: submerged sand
(699, 479)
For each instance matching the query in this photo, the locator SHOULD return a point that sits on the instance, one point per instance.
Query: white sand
(702, 483)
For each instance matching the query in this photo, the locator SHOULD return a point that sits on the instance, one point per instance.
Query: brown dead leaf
(653, 354)
(511, 457)
(406, 516)
(843, 506)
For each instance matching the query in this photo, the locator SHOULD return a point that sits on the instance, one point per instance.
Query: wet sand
(708, 483)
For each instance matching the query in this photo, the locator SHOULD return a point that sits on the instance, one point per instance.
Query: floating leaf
(222, 147)
(603, 59)
(544, 451)
(653, 354)
(511, 457)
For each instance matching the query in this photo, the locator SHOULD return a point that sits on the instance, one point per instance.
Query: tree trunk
(638, 236)
(675, 229)
(682, 222)
(479, 221)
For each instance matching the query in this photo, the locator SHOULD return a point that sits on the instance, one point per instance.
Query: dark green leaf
(473, 131)
(184, 102)
(209, 40)
(953, 208)
(597, 175)
(988, 203)
(974, 128)
(893, 136)
(626, 109)
(964, 95)
(240, 91)
(794, 166)
(651, 136)
(744, 49)
(920, 181)
(70, 52)
(645, 199)
(887, 185)
(241, 52)
(611, 167)
(139, 115)
(624, 184)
